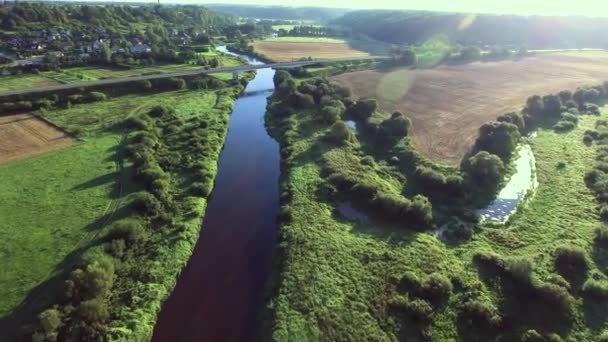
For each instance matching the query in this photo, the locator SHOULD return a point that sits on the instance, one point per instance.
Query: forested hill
(411, 27)
(37, 16)
(280, 12)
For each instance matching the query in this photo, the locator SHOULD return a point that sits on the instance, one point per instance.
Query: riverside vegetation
(539, 277)
(150, 162)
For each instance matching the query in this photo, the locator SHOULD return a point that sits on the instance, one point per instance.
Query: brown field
(286, 51)
(447, 104)
(24, 135)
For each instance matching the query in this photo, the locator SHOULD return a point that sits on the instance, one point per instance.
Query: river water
(219, 294)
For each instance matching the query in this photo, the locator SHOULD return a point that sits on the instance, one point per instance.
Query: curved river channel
(219, 294)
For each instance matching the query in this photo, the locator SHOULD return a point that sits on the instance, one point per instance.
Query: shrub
(201, 189)
(552, 105)
(499, 138)
(555, 299)
(597, 289)
(90, 281)
(437, 289)
(569, 117)
(476, 315)
(485, 170)
(144, 85)
(330, 115)
(93, 311)
(395, 128)
(368, 160)
(519, 268)
(363, 109)
(160, 111)
(565, 95)
(563, 126)
(97, 96)
(50, 321)
(570, 262)
(420, 312)
(128, 230)
(601, 235)
(340, 134)
(147, 204)
(513, 118)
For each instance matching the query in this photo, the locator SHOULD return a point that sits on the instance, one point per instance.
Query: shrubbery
(571, 263)
(484, 171)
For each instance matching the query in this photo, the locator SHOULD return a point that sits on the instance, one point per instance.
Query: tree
(50, 321)
(106, 54)
(534, 105)
(499, 138)
(363, 109)
(485, 170)
(408, 57)
(552, 105)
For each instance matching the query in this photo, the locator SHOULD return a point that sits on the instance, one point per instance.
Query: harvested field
(447, 104)
(284, 51)
(24, 135)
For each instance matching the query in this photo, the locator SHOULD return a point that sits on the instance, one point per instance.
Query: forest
(534, 32)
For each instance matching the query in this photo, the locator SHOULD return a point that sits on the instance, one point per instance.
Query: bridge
(235, 70)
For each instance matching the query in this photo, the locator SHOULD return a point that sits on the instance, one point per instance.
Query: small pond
(520, 183)
(351, 124)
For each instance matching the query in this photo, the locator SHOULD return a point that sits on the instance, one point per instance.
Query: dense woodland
(38, 16)
(415, 27)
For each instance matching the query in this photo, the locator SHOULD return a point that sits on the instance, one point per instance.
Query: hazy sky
(552, 7)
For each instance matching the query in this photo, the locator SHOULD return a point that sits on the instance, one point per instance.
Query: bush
(201, 189)
(128, 230)
(50, 322)
(597, 289)
(147, 204)
(330, 115)
(437, 289)
(499, 138)
(485, 170)
(362, 109)
(420, 312)
(340, 134)
(97, 96)
(564, 126)
(91, 281)
(479, 316)
(569, 117)
(513, 118)
(601, 235)
(93, 311)
(570, 262)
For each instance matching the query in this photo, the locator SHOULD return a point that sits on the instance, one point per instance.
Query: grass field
(78, 191)
(25, 81)
(447, 104)
(284, 49)
(342, 279)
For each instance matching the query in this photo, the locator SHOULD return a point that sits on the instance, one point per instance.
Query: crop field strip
(447, 104)
(296, 48)
(24, 135)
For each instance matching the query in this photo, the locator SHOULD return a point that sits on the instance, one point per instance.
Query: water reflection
(522, 181)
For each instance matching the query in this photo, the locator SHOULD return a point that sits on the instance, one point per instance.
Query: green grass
(25, 81)
(338, 276)
(54, 206)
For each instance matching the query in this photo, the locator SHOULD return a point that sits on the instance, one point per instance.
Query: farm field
(75, 193)
(447, 104)
(284, 49)
(24, 135)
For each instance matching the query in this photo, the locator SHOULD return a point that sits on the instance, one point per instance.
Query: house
(140, 49)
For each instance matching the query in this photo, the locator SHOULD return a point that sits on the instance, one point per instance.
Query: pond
(351, 124)
(220, 292)
(516, 189)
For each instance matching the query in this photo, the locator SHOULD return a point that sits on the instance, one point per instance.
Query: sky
(595, 8)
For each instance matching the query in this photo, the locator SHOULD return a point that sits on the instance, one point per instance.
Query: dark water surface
(219, 294)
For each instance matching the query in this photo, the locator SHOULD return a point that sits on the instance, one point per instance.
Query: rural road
(242, 68)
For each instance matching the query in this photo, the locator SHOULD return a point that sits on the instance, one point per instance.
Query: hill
(280, 12)
(415, 27)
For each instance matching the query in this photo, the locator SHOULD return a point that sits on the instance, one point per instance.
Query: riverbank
(106, 213)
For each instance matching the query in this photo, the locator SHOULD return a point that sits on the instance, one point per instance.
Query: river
(220, 292)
